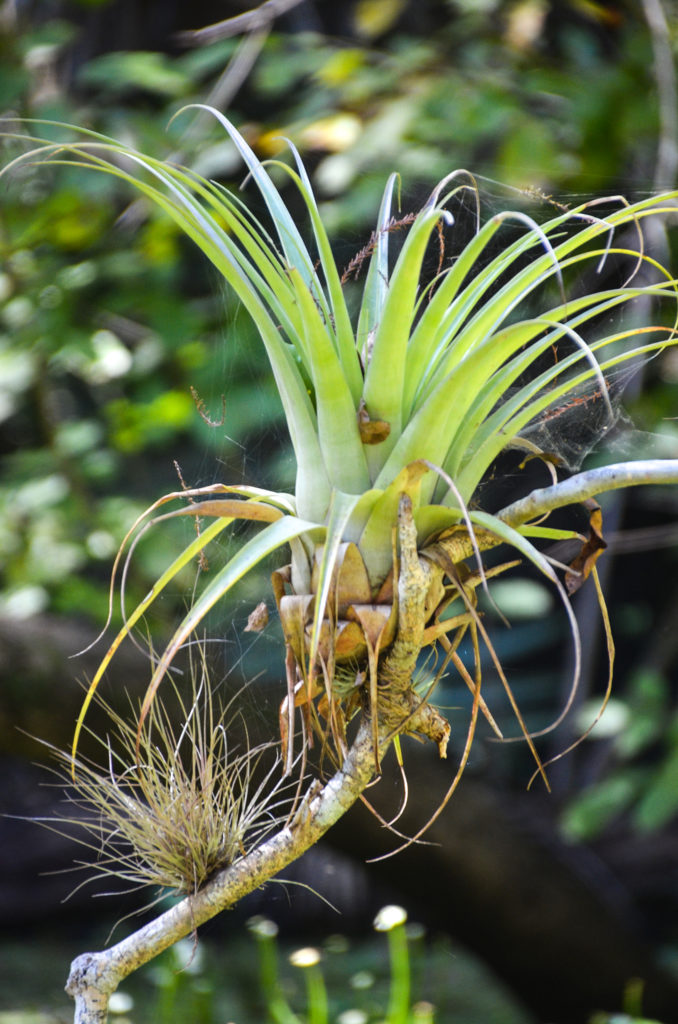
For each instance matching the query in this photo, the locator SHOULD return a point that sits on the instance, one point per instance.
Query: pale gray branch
(228, 84)
(589, 484)
(259, 17)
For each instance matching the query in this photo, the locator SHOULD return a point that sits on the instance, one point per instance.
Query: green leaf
(295, 250)
(338, 434)
(376, 540)
(385, 376)
(648, 697)
(659, 803)
(339, 321)
(268, 540)
(375, 289)
(152, 72)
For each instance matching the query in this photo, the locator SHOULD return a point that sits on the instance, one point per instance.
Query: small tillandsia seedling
(192, 797)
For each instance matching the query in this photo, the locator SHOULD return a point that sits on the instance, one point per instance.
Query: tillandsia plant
(191, 798)
(397, 410)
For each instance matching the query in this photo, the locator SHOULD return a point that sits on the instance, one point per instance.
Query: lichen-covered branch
(589, 484)
(396, 669)
(400, 708)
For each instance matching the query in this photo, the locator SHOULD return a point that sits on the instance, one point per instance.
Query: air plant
(192, 797)
(396, 413)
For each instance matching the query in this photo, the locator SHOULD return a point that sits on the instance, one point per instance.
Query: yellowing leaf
(334, 134)
(340, 67)
(371, 431)
(372, 18)
(591, 549)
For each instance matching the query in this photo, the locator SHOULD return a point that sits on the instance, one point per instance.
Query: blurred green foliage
(220, 981)
(106, 322)
(645, 753)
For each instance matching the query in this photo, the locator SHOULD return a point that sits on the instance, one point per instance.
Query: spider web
(256, 452)
(576, 424)
(579, 422)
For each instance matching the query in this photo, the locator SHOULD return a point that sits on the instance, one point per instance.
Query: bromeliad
(396, 412)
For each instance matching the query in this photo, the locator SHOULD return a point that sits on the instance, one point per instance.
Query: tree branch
(95, 976)
(589, 484)
(250, 21)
